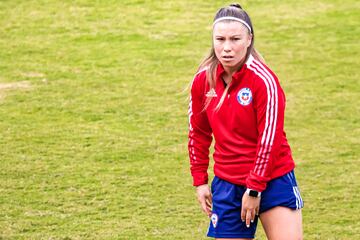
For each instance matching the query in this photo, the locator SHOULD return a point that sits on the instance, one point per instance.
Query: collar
(219, 71)
(237, 75)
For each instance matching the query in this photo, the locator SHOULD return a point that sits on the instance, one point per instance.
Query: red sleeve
(200, 133)
(270, 104)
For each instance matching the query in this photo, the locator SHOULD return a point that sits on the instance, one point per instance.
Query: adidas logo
(211, 93)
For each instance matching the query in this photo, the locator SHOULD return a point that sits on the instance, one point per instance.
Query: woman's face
(231, 40)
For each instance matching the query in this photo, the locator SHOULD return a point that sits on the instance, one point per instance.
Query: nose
(227, 47)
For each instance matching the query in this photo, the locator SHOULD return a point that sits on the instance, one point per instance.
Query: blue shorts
(226, 220)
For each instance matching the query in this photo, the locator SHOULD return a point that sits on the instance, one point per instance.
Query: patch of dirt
(33, 75)
(13, 86)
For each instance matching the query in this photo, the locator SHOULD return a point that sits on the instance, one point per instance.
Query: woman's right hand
(205, 199)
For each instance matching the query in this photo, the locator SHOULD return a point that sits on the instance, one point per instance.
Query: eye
(219, 38)
(236, 39)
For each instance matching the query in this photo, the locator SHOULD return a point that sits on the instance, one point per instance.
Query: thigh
(282, 223)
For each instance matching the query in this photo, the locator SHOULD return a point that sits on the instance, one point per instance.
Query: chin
(227, 64)
(232, 64)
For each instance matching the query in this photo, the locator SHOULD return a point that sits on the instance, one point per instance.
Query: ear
(249, 40)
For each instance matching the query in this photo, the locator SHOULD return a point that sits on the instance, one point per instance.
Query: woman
(237, 99)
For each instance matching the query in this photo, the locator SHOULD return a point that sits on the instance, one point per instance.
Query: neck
(229, 71)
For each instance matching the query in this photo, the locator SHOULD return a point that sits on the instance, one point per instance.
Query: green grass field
(93, 113)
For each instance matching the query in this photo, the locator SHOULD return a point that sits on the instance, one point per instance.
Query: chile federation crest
(244, 96)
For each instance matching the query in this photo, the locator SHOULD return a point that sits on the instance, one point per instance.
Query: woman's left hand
(250, 208)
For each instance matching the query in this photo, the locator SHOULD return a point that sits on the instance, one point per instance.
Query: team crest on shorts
(244, 96)
(214, 219)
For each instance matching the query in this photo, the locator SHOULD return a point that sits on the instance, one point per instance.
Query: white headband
(233, 19)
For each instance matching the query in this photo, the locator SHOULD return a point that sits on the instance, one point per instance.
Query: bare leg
(281, 223)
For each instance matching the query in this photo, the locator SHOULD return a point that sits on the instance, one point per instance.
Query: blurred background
(93, 114)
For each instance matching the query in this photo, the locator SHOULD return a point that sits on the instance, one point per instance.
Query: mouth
(227, 58)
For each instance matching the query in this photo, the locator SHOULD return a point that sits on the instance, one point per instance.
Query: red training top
(250, 144)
